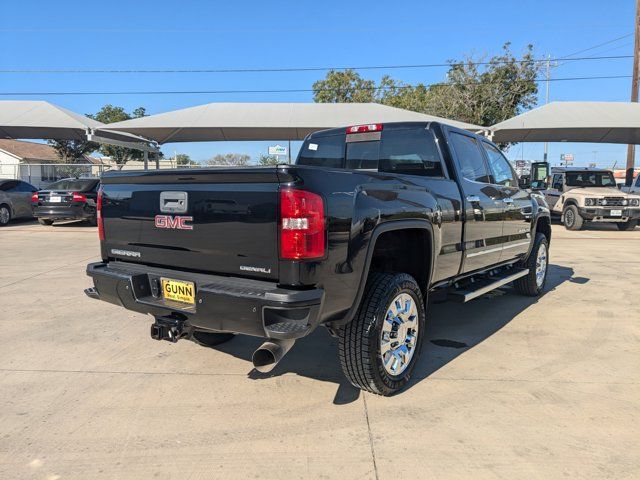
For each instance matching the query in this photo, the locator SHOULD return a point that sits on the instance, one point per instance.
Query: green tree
(476, 90)
(269, 160)
(73, 151)
(111, 114)
(229, 160)
(345, 86)
(182, 159)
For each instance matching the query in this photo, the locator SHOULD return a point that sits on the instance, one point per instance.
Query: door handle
(473, 199)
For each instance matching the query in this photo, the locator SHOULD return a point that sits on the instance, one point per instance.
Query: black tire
(529, 285)
(626, 226)
(571, 218)
(359, 340)
(5, 215)
(93, 221)
(210, 339)
(44, 221)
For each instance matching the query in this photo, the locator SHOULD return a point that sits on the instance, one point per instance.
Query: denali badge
(255, 269)
(178, 222)
(125, 253)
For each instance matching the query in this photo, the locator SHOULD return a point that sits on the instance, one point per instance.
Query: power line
(297, 90)
(596, 46)
(296, 69)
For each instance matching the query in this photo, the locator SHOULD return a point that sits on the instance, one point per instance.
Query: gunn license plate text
(179, 291)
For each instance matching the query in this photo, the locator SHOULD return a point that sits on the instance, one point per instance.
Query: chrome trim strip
(475, 254)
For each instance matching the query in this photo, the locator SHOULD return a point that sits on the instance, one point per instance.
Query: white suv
(582, 195)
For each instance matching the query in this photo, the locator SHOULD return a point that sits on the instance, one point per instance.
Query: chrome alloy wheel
(399, 334)
(541, 265)
(4, 215)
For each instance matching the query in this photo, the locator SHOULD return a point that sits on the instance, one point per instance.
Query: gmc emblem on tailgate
(175, 222)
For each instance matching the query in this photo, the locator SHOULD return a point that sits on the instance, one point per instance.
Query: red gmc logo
(176, 223)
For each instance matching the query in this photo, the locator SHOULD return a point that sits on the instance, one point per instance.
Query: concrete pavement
(507, 387)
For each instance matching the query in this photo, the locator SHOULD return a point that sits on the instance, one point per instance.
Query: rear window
(409, 151)
(77, 185)
(323, 152)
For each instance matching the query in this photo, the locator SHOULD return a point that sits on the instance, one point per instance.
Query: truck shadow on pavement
(452, 329)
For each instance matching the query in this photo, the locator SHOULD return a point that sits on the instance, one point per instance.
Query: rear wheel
(5, 215)
(380, 347)
(533, 282)
(93, 221)
(625, 226)
(572, 219)
(44, 221)
(210, 339)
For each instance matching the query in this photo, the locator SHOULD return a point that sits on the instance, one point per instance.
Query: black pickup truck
(353, 236)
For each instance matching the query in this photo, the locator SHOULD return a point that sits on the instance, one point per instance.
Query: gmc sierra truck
(353, 236)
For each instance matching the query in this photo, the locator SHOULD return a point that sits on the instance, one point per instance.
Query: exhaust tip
(269, 354)
(264, 360)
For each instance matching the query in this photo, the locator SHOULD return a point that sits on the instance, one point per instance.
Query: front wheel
(380, 347)
(572, 219)
(626, 226)
(533, 282)
(5, 215)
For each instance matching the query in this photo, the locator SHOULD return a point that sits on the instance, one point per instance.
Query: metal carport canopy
(265, 121)
(595, 122)
(36, 119)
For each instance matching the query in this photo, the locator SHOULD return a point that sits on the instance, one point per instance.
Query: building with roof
(36, 163)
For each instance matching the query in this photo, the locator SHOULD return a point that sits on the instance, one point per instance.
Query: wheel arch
(378, 234)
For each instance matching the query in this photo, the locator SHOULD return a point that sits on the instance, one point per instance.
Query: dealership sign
(277, 150)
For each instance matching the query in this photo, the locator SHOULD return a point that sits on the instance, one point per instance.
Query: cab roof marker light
(372, 127)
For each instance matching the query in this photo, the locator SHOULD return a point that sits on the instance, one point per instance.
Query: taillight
(372, 127)
(79, 197)
(34, 197)
(99, 216)
(301, 225)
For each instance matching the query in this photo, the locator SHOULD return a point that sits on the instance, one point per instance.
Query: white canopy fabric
(596, 122)
(44, 120)
(265, 121)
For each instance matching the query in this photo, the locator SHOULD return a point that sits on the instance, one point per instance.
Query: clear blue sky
(206, 34)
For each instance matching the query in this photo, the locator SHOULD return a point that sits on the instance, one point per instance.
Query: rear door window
(323, 152)
(410, 152)
(469, 157)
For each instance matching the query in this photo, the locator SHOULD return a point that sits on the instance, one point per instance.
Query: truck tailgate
(227, 225)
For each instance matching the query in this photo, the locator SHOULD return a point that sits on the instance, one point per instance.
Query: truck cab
(590, 195)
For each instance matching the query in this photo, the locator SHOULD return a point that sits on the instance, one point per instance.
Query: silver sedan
(15, 200)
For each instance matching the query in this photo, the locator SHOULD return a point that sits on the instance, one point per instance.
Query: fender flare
(377, 231)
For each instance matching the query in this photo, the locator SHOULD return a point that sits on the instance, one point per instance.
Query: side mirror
(524, 182)
(539, 175)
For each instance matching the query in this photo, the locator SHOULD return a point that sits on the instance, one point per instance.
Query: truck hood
(597, 192)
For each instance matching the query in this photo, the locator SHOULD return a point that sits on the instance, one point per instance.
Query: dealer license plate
(179, 291)
(55, 199)
(615, 213)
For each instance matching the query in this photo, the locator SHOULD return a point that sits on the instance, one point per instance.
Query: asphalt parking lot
(507, 387)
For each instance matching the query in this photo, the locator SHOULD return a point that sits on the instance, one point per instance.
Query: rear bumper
(64, 212)
(596, 214)
(222, 304)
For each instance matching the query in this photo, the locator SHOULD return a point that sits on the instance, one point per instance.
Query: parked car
(68, 199)
(584, 195)
(353, 237)
(15, 200)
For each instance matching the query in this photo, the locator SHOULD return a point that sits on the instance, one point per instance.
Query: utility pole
(546, 144)
(631, 149)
